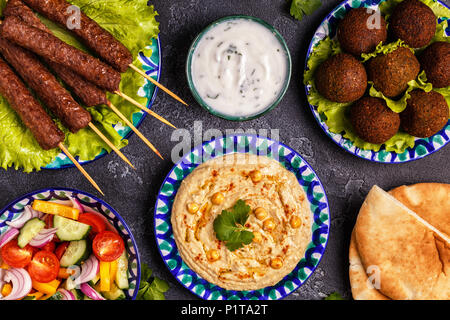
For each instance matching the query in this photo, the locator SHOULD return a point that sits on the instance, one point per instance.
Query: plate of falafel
(377, 78)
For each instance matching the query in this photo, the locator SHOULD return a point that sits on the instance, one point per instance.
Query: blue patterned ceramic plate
(92, 204)
(152, 67)
(253, 144)
(422, 147)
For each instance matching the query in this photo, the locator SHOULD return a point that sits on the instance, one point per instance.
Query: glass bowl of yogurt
(239, 68)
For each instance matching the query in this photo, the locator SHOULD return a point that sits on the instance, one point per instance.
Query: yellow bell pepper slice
(56, 209)
(48, 288)
(113, 270)
(105, 276)
(6, 290)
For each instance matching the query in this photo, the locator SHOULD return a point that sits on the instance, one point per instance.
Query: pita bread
(412, 261)
(431, 201)
(362, 288)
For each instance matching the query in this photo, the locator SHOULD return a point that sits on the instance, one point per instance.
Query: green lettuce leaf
(133, 23)
(383, 49)
(438, 9)
(18, 147)
(446, 93)
(400, 104)
(440, 32)
(2, 5)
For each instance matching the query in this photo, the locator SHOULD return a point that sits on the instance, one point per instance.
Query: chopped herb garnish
(229, 226)
(213, 97)
(151, 288)
(299, 8)
(334, 296)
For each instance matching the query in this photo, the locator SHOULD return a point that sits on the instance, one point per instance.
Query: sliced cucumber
(114, 294)
(57, 296)
(76, 252)
(70, 230)
(30, 229)
(122, 271)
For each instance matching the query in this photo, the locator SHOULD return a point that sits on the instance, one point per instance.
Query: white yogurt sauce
(239, 68)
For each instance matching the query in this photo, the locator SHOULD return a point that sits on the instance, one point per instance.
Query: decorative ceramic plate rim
(389, 157)
(314, 251)
(272, 105)
(146, 62)
(93, 198)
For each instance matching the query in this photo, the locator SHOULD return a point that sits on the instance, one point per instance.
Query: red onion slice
(20, 281)
(67, 295)
(77, 204)
(27, 214)
(8, 236)
(43, 237)
(89, 270)
(90, 292)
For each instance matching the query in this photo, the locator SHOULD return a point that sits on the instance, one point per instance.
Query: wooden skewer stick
(75, 162)
(170, 93)
(138, 133)
(140, 106)
(111, 145)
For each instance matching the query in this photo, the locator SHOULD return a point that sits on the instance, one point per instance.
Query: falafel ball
(413, 22)
(356, 35)
(373, 121)
(391, 72)
(435, 60)
(341, 78)
(426, 114)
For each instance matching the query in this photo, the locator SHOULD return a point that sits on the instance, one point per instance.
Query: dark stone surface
(346, 178)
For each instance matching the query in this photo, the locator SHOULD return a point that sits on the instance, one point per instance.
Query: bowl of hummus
(242, 217)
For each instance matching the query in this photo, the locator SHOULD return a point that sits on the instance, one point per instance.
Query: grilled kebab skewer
(94, 37)
(33, 115)
(88, 93)
(18, 10)
(50, 91)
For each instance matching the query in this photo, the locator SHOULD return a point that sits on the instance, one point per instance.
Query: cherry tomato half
(44, 267)
(50, 247)
(108, 246)
(96, 222)
(59, 251)
(15, 256)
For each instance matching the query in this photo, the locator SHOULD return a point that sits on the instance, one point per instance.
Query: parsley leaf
(301, 7)
(334, 296)
(151, 288)
(229, 226)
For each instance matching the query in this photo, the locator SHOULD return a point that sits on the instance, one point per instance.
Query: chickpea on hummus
(278, 218)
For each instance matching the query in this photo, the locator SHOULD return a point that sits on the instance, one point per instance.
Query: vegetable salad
(59, 252)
